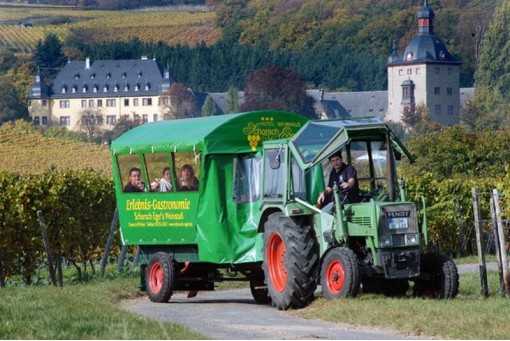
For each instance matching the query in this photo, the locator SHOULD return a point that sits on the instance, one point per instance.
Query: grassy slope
(32, 153)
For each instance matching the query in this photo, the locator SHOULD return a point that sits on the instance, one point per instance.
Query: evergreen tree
(209, 107)
(232, 101)
(48, 56)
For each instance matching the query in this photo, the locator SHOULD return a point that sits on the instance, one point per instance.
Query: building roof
(351, 104)
(425, 47)
(110, 78)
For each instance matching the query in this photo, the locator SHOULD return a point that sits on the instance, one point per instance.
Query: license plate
(398, 223)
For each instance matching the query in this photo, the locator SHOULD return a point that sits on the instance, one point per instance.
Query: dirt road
(234, 315)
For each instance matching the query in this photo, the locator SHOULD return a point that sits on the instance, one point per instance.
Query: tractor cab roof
(320, 139)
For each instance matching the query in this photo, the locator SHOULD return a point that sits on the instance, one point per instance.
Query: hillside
(27, 151)
(22, 27)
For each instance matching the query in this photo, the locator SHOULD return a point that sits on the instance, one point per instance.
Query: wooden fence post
(480, 249)
(461, 228)
(109, 242)
(47, 247)
(501, 246)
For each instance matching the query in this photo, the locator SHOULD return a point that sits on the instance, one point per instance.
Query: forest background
(215, 46)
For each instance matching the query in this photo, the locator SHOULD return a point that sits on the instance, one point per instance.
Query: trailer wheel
(439, 279)
(160, 277)
(340, 275)
(259, 291)
(290, 263)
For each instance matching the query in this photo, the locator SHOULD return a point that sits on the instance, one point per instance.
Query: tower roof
(425, 47)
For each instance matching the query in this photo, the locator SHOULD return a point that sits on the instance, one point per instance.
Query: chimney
(87, 63)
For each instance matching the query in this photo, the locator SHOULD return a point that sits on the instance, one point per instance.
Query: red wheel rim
(276, 256)
(335, 277)
(156, 278)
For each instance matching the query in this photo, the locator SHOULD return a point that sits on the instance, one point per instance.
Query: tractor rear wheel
(439, 279)
(160, 277)
(291, 259)
(340, 275)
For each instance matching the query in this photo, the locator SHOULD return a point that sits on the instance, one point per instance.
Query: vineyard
(185, 28)
(29, 152)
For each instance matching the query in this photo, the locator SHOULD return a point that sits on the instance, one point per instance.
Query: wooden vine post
(51, 270)
(480, 249)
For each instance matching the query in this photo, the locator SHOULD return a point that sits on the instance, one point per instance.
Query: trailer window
(187, 170)
(246, 186)
(159, 171)
(126, 164)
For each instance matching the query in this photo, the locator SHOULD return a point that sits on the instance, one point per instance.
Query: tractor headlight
(411, 238)
(385, 240)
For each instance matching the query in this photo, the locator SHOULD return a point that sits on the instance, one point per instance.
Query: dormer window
(124, 75)
(64, 89)
(116, 88)
(137, 87)
(84, 89)
(409, 56)
(126, 87)
(95, 88)
(76, 76)
(92, 76)
(105, 88)
(108, 75)
(139, 74)
(147, 86)
(74, 89)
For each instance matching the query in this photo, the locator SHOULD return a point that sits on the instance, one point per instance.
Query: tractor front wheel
(439, 277)
(160, 277)
(290, 263)
(340, 274)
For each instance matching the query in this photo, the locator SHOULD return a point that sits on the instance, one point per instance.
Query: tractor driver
(346, 178)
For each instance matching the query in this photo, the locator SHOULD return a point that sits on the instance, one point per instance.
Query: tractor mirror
(274, 159)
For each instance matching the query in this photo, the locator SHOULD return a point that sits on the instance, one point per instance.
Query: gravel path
(234, 315)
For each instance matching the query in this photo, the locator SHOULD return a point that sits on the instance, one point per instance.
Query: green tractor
(252, 214)
(377, 244)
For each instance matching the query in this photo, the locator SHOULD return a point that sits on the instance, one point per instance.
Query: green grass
(469, 316)
(91, 311)
(80, 311)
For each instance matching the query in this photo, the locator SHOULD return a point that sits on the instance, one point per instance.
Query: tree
(232, 100)
(124, 123)
(209, 107)
(11, 107)
(493, 74)
(418, 122)
(48, 56)
(278, 88)
(179, 102)
(90, 122)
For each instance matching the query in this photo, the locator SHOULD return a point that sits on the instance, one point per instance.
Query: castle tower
(425, 73)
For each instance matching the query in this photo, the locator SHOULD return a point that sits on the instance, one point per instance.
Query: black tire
(439, 277)
(160, 277)
(259, 290)
(340, 276)
(291, 260)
